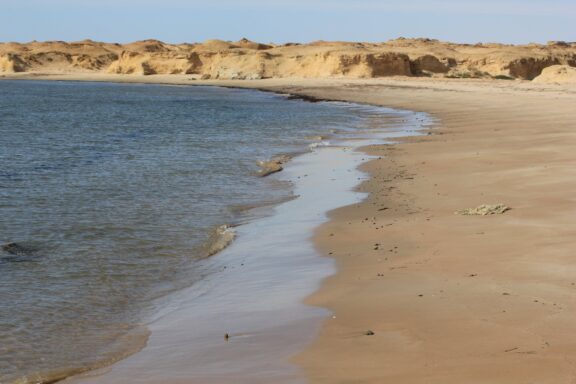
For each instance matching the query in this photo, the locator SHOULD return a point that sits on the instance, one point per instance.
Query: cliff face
(250, 60)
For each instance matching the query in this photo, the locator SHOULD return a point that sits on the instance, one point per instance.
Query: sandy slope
(450, 298)
(557, 74)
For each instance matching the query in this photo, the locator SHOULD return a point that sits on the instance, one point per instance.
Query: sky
(282, 21)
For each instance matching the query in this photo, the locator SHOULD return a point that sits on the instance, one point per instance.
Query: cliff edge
(245, 59)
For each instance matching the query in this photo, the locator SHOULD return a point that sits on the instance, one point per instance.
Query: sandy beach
(454, 298)
(287, 192)
(423, 295)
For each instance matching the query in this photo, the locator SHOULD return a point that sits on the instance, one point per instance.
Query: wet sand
(451, 298)
(242, 324)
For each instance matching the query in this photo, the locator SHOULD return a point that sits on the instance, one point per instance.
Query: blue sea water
(114, 192)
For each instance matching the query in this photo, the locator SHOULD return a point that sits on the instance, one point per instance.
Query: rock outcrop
(274, 165)
(557, 74)
(245, 59)
(11, 63)
(431, 64)
(57, 56)
(530, 67)
(135, 63)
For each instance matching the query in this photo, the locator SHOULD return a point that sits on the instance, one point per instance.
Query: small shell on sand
(484, 210)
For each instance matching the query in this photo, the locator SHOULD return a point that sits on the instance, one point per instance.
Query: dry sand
(451, 298)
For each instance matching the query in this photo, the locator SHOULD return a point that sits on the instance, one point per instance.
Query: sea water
(115, 196)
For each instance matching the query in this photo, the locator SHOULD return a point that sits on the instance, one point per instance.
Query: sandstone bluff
(244, 59)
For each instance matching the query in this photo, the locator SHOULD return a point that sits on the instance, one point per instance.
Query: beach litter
(484, 210)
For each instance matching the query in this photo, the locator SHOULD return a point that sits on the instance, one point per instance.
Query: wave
(319, 144)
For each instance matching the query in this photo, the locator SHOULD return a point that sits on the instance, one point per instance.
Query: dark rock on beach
(14, 252)
(17, 249)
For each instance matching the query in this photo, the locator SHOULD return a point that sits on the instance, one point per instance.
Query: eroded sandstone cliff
(245, 59)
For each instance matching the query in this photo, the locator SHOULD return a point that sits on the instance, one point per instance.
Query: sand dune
(245, 59)
(561, 74)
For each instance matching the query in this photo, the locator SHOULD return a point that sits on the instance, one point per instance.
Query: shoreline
(452, 298)
(470, 299)
(139, 367)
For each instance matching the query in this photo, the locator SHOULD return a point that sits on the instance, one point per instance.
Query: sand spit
(245, 59)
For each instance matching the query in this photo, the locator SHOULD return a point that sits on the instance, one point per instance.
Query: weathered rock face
(11, 63)
(431, 64)
(352, 65)
(388, 64)
(233, 65)
(93, 63)
(134, 63)
(529, 67)
(130, 63)
(245, 59)
(56, 56)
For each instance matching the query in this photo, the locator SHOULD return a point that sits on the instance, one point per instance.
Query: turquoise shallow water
(114, 192)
